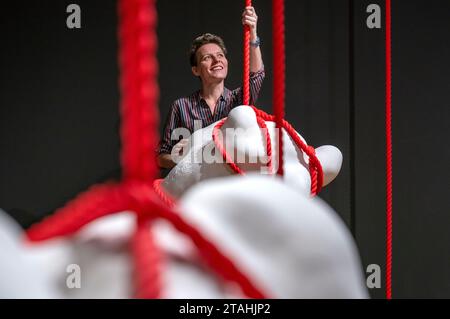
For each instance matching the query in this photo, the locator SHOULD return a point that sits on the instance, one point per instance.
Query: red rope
(219, 145)
(149, 257)
(246, 74)
(315, 168)
(139, 90)
(98, 200)
(388, 154)
(278, 74)
(218, 262)
(218, 140)
(162, 194)
(142, 199)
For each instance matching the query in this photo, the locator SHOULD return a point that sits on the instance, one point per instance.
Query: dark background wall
(59, 110)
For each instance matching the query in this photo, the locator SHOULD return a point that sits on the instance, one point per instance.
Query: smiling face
(212, 65)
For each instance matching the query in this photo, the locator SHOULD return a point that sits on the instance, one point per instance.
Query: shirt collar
(224, 96)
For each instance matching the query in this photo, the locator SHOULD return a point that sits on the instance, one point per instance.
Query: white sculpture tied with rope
(202, 161)
(253, 236)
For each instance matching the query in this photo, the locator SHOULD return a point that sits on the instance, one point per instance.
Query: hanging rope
(246, 55)
(388, 154)
(138, 88)
(278, 75)
(139, 91)
(148, 261)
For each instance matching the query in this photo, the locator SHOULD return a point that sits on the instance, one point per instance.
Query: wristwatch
(256, 43)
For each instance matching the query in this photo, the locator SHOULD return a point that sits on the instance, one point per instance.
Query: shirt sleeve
(172, 122)
(256, 81)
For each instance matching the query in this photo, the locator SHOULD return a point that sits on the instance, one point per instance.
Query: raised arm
(250, 18)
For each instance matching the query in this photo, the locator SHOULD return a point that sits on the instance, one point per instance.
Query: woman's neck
(212, 92)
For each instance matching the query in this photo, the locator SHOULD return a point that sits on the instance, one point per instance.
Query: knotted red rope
(136, 192)
(388, 154)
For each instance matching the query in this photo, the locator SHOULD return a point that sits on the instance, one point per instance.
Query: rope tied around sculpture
(315, 168)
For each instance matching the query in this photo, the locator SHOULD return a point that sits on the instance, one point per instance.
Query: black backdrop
(59, 110)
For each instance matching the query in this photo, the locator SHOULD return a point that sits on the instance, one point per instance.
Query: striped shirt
(184, 111)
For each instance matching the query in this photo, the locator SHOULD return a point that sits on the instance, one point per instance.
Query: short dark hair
(202, 40)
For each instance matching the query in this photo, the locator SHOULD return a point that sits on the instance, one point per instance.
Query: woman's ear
(195, 71)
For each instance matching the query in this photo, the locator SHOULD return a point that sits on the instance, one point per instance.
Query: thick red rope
(388, 154)
(278, 74)
(146, 255)
(142, 200)
(218, 262)
(98, 201)
(246, 74)
(139, 90)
